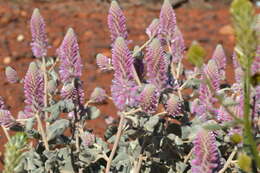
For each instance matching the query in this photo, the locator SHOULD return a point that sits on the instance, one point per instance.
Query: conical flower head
(73, 91)
(70, 60)
(116, 22)
(122, 60)
(212, 72)
(153, 29)
(124, 88)
(34, 87)
(157, 64)
(149, 98)
(11, 75)
(2, 103)
(220, 58)
(177, 46)
(173, 105)
(98, 95)
(6, 119)
(103, 62)
(167, 20)
(39, 37)
(205, 152)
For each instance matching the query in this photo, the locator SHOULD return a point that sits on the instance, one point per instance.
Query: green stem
(248, 131)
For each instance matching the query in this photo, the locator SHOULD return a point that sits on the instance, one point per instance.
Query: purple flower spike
(103, 62)
(149, 99)
(124, 88)
(177, 46)
(256, 63)
(173, 105)
(220, 58)
(213, 74)
(88, 139)
(205, 151)
(76, 94)
(11, 75)
(98, 95)
(39, 37)
(34, 87)
(70, 61)
(167, 20)
(116, 22)
(157, 64)
(153, 28)
(6, 119)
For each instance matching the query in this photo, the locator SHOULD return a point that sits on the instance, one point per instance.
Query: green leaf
(92, 113)
(195, 54)
(151, 123)
(57, 128)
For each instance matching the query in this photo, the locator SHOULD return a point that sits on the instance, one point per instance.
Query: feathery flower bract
(70, 60)
(220, 59)
(34, 88)
(157, 64)
(149, 98)
(116, 22)
(173, 105)
(153, 29)
(6, 119)
(39, 37)
(177, 46)
(98, 95)
(205, 151)
(11, 75)
(167, 21)
(103, 62)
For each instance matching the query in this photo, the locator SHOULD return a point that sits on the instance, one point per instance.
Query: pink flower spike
(11, 75)
(70, 60)
(220, 58)
(98, 95)
(205, 151)
(39, 37)
(116, 22)
(103, 62)
(157, 64)
(149, 98)
(153, 29)
(167, 20)
(6, 119)
(177, 46)
(173, 105)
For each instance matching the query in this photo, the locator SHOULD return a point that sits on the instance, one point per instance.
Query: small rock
(226, 30)
(20, 38)
(7, 60)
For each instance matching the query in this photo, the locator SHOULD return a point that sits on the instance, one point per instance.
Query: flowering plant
(171, 119)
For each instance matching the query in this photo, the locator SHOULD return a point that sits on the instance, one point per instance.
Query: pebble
(20, 38)
(7, 60)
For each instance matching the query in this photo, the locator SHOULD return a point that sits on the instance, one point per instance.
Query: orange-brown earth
(209, 24)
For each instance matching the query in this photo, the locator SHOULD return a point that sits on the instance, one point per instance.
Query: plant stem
(139, 164)
(248, 132)
(142, 47)
(44, 137)
(229, 160)
(45, 88)
(118, 135)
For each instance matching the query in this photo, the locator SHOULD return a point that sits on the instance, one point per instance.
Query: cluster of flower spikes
(124, 85)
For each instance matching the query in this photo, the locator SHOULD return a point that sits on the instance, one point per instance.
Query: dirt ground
(207, 23)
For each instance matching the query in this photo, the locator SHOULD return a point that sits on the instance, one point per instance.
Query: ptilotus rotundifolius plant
(33, 88)
(70, 60)
(39, 37)
(171, 119)
(205, 153)
(156, 64)
(11, 75)
(116, 22)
